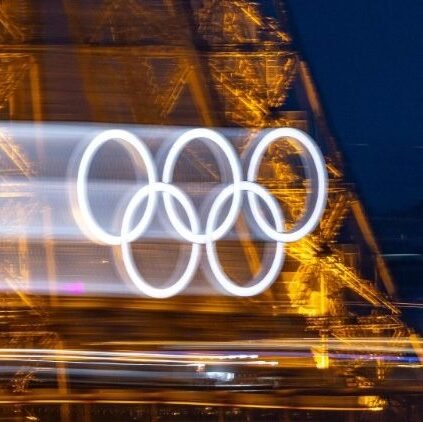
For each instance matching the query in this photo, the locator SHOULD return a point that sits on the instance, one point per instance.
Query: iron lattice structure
(209, 63)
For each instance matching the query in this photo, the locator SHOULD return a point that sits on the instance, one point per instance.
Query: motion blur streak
(124, 175)
(268, 350)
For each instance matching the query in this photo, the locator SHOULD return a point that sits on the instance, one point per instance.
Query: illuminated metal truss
(23, 317)
(237, 68)
(254, 78)
(251, 66)
(15, 16)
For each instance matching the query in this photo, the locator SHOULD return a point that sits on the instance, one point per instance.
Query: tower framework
(211, 63)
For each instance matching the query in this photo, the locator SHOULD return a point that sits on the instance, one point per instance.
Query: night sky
(367, 59)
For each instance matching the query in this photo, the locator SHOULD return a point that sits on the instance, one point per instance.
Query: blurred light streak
(195, 359)
(62, 174)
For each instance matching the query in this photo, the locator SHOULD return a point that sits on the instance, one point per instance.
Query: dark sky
(367, 59)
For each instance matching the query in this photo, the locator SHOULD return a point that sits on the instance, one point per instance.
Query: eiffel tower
(212, 63)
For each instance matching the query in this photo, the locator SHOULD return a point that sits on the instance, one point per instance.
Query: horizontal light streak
(299, 349)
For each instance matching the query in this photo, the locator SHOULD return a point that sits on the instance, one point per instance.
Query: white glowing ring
(235, 167)
(227, 284)
(318, 161)
(94, 231)
(133, 273)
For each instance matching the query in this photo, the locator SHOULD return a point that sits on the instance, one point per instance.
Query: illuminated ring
(227, 284)
(319, 206)
(125, 138)
(133, 273)
(235, 166)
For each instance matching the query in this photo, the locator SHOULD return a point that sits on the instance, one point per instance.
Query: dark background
(366, 57)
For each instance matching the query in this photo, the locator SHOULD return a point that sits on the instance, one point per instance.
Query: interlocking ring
(316, 212)
(91, 227)
(235, 165)
(128, 261)
(214, 231)
(227, 284)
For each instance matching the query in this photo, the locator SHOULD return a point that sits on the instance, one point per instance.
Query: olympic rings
(214, 231)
